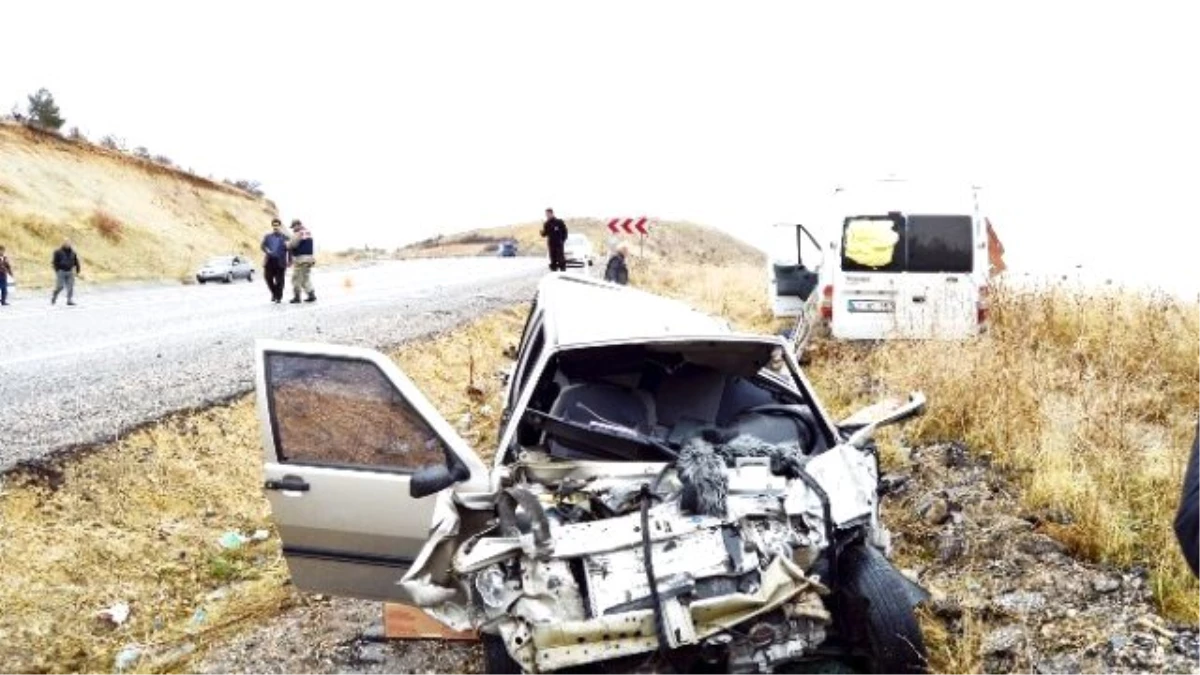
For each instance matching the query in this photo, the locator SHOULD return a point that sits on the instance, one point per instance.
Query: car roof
(581, 311)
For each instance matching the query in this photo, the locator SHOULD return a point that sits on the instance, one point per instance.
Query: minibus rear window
(926, 243)
(939, 244)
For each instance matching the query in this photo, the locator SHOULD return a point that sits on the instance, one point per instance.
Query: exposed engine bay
(667, 509)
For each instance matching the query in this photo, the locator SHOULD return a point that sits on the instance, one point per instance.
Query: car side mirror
(430, 480)
(868, 420)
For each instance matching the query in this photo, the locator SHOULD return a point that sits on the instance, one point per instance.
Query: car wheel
(229, 277)
(495, 656)
(876, 604)
(250, 276)
(201, 280)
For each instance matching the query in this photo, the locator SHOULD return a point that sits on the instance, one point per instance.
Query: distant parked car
(226, 268)
(508, 248)
(578, 251)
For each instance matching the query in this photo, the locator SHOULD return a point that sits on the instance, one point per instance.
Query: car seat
(587, 402)
(780, 424)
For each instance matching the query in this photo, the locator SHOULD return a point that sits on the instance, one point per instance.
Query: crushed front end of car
(728, 558)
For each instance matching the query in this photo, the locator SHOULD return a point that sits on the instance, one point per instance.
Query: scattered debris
(232, 540)
(1021, 602)
(118, 614)
(260, 535)
(126, 658)
(199, 617)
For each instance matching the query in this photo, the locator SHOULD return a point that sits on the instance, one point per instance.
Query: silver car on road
(225, 268)
(665, 494)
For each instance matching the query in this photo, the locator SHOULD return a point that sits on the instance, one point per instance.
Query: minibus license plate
(878, 306)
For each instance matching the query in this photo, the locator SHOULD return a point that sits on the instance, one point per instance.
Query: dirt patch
(337, 636)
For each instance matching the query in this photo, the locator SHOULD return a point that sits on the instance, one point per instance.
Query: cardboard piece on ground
(403, 622)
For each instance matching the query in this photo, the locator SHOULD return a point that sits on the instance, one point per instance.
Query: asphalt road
(79, 375)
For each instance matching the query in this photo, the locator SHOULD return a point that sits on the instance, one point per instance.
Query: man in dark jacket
(1187, 518)
(66, 266)
(5, 273)
(275, 262)
(555, 232)
(617, 272)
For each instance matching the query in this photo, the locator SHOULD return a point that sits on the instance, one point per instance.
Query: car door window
(345, 412)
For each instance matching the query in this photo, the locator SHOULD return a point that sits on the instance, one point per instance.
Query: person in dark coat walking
(5, 273)
(66, 266)
(1187, 518)
(617, 271)
(555, 232)
(275, 262)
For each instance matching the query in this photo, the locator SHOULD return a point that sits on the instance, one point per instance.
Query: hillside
(129, 218)
(680, 240)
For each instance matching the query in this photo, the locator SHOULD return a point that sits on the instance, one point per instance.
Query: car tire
(250, 276)
(877, 609)
(495, 656)
(229, 277)
(201, 280)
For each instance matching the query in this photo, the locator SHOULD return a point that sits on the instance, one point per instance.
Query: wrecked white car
(662, 497)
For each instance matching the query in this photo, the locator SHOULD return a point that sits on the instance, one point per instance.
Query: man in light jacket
(301, 247)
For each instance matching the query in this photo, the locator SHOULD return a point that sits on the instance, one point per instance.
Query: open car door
(344, 430)
(793, 268)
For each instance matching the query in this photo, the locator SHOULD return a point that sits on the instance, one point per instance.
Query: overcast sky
(385, 123)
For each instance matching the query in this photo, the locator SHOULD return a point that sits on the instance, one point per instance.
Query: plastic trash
(260, 535)
(199, 616)
(126, 658)
(232, 540)
(117, 614)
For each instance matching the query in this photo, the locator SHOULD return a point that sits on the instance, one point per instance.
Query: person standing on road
(66, 267)
(301, 247)
(5, 273)
(275, 262)
(554, 230)
(617, 272)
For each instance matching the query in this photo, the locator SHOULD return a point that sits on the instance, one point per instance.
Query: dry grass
(107, 226)
(1089, 403)
(129, 218)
